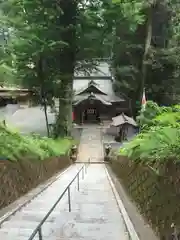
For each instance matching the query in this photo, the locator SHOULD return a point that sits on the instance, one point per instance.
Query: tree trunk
(146, 50)
(63, 124)
(40, 73)
(67, 58)
(46, 118)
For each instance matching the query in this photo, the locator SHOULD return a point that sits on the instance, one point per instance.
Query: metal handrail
(38, 229)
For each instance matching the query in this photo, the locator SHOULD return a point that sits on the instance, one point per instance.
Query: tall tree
(55, 37)
(66, 59)
(44, 49)
(145, 57)
(128, 46)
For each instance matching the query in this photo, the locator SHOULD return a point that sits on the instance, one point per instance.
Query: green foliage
(36, 35)
(13, 146)
(153, 115)
(6, 74)
(160, 138)
(167, 119)
(157, 144)
(51, 40)
(44, 45)
(151, 110)
(7, 71)
(49, 44)
(146, 50)
(132, 11)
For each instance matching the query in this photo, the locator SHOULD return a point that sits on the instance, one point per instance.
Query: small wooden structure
(123, 127)
(14, 95)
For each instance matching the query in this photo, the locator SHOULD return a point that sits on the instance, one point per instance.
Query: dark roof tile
(103, 85)
(122, 119)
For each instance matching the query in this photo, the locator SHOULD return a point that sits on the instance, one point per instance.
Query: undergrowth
(14, 146)
(159, 138)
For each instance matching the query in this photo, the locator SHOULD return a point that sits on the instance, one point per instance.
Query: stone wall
(17, 178)
(157, 196)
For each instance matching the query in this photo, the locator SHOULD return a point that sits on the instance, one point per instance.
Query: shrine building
(94, 98)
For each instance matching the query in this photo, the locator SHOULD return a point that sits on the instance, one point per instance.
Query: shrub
(159, 143)
(14, 146)
(146, 116)
(159, 139)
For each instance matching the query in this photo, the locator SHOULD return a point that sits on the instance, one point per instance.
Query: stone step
(10, 236)
(91, 145)
(95, 214)
(23, 222)
(12, 233)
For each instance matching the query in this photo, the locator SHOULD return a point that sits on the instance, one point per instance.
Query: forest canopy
(44, 47)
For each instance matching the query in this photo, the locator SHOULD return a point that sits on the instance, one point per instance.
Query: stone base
(107, 159)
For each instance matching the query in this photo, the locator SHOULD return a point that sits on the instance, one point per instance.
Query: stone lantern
(73, 153)
(74, 149)
(107, 151)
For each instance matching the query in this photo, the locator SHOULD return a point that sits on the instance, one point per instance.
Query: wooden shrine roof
(98, 82)
(122, 119)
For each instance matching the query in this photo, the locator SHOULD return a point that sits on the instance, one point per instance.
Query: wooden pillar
(81, 119)
(123, 132)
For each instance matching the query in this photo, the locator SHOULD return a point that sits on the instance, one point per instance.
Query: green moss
(14, 146)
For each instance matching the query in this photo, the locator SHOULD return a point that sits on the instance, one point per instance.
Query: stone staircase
(91, 146)
(95, 214)
(21, 225)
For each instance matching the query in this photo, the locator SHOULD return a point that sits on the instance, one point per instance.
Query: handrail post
(78, 181)
(85, 168)
(38, 229)
(69, 199)
(83, 172)
(40, 234)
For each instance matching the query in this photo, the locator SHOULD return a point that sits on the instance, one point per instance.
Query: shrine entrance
(91, 115)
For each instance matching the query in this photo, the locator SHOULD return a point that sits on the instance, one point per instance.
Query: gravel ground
(26, 120)
(30, 120)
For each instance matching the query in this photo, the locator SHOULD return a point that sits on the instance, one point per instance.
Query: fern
(13, 146)
(152, 144)
(159, 139)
